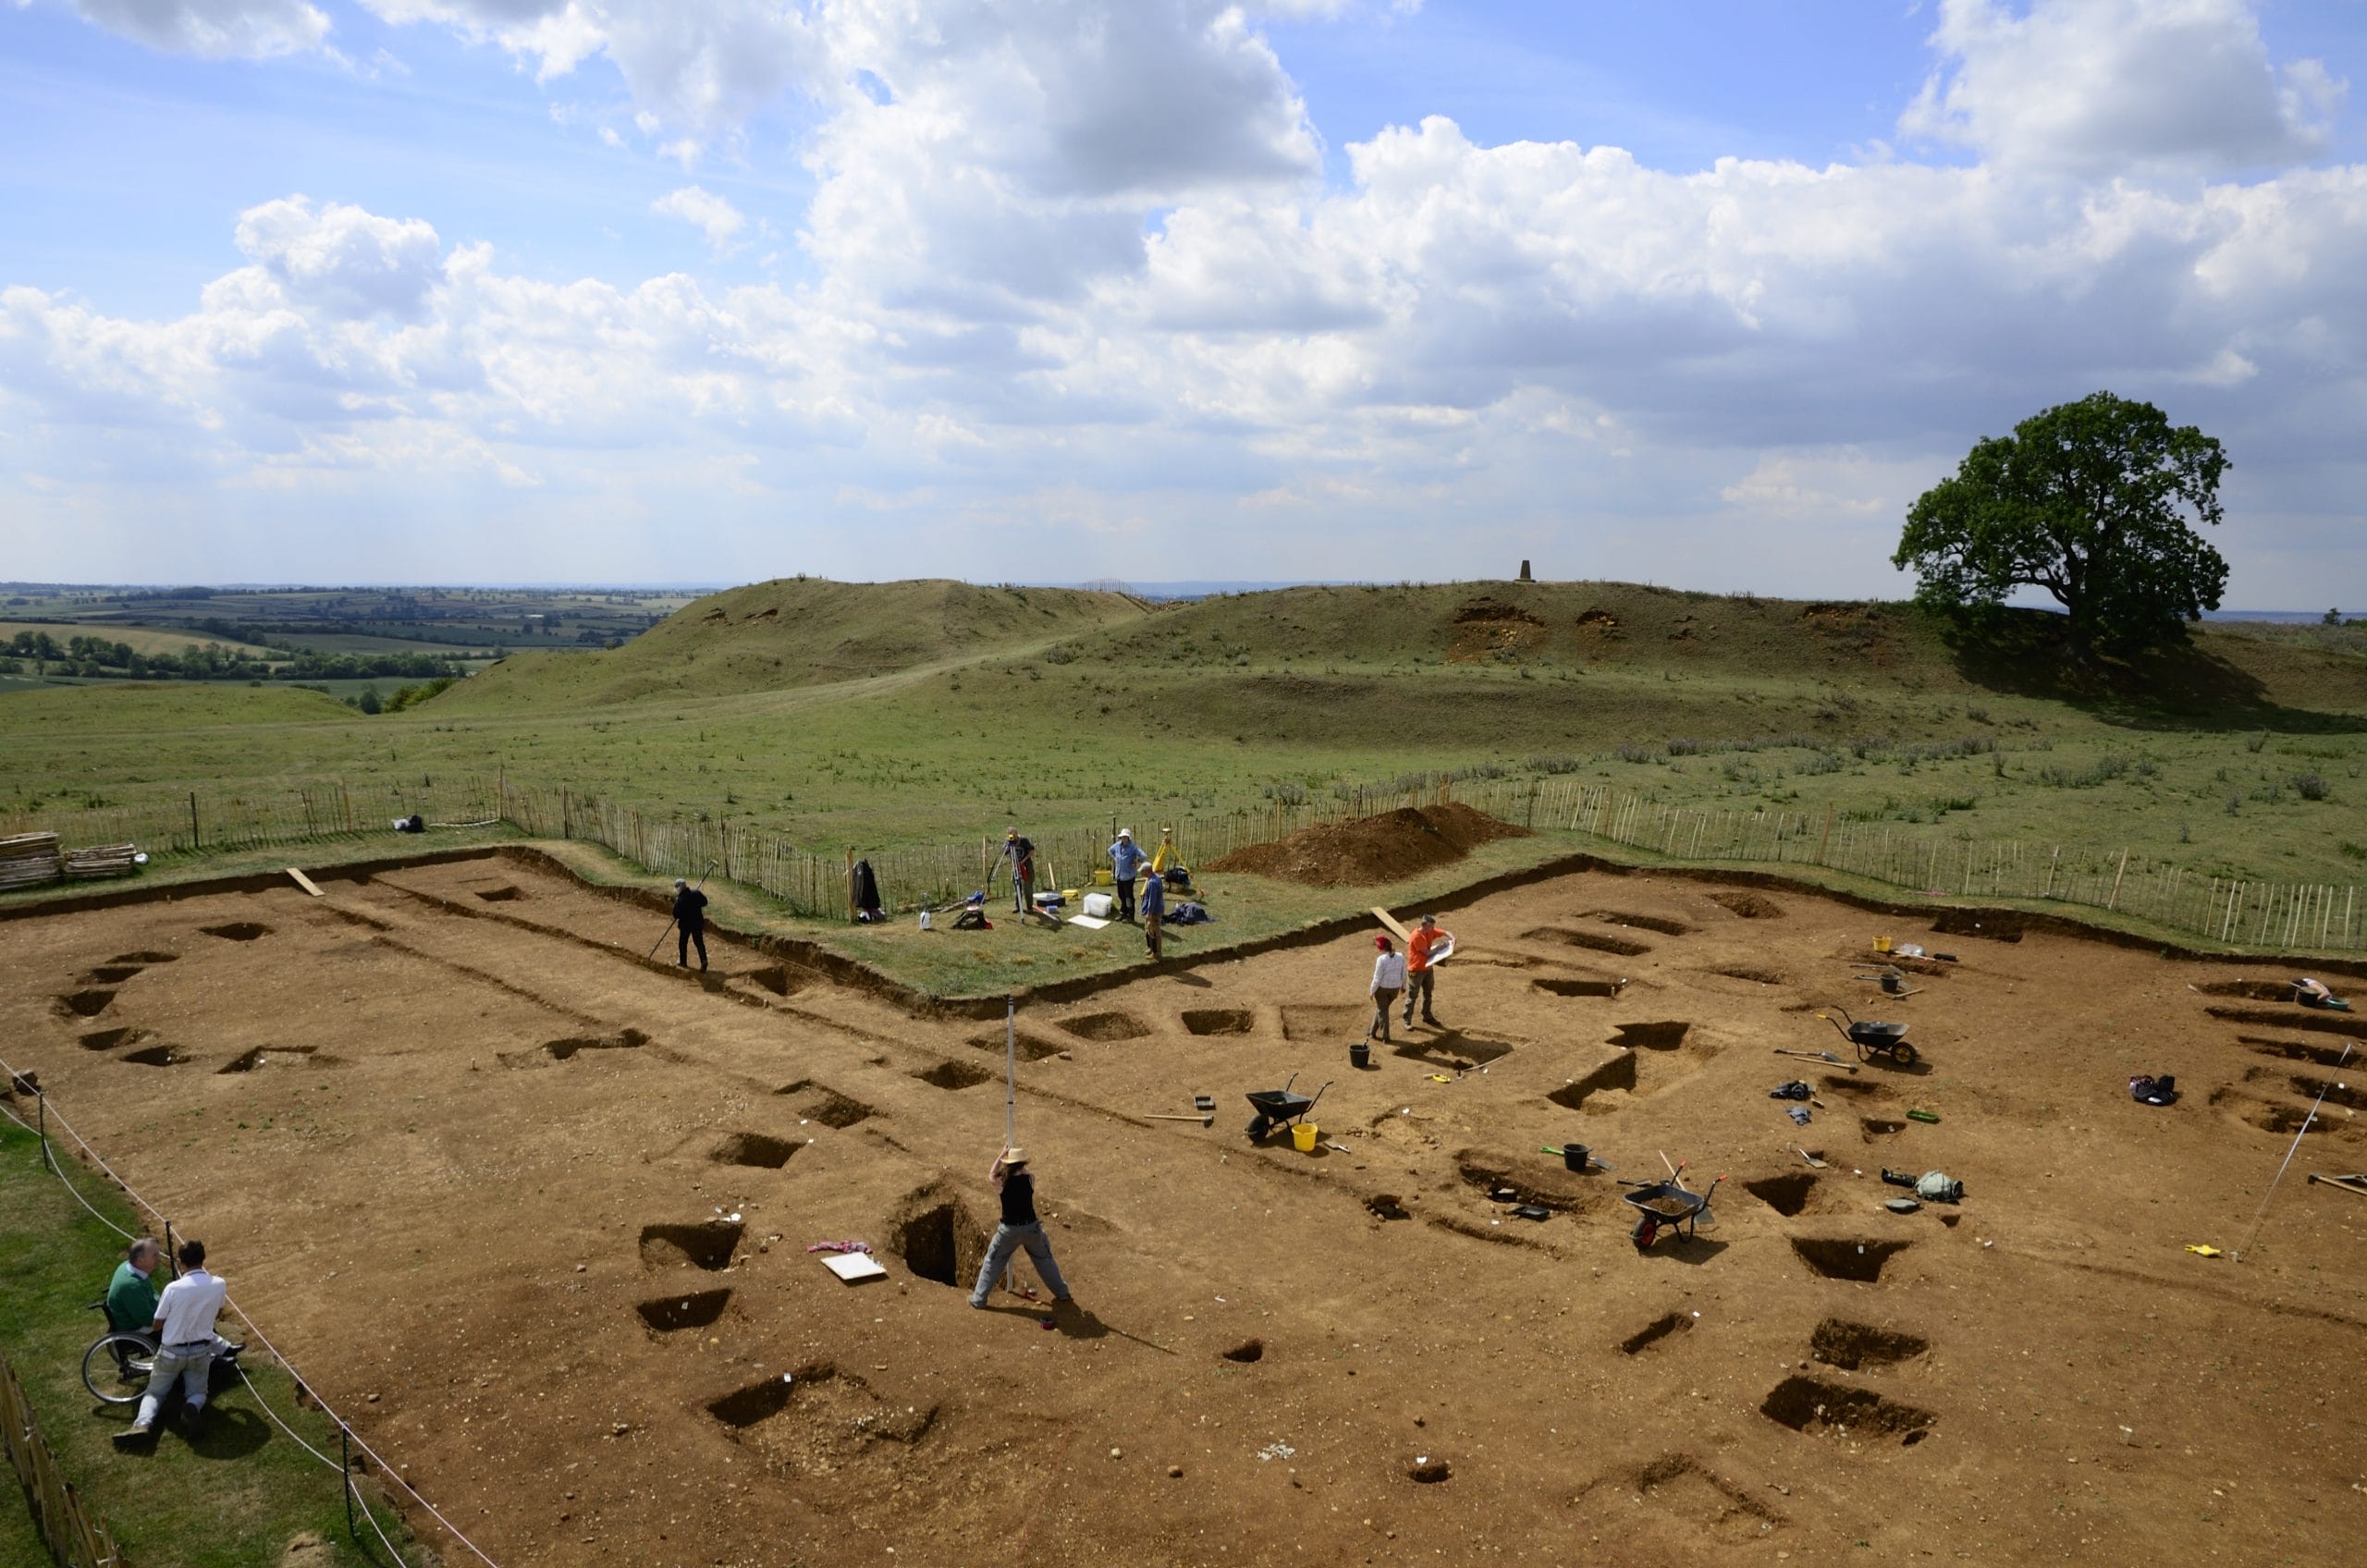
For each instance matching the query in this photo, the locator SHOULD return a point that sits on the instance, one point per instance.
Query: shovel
(1205, 1118)
(1825, 1056)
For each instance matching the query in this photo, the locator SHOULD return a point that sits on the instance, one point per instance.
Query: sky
(1061, 290)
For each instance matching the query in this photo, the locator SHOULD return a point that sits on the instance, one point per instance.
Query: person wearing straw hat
(1388, 979)
(1125, 864)
(1019, 1228)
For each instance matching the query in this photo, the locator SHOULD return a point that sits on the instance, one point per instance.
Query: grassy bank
(241, 1495)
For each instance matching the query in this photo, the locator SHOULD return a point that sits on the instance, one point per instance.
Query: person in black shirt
(690, 919)
(1020, 1228)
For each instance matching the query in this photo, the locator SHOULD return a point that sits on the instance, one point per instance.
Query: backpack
(2155, 1090)
(973, 919)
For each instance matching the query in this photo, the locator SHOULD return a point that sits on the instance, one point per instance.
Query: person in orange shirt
(1420, 975)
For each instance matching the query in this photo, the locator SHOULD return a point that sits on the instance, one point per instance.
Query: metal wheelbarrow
(1875, 1040)
(1279, 1107)
(1670, 1204)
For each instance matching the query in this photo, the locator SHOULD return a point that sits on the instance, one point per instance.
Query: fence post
(192, 821)
(40, 1103)
(2117, 875)
(345, 1476)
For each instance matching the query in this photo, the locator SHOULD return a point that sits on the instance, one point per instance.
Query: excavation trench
(761, 1150)
(1853, 1346)
(1845, 1259)
(705, 1243)
(669, 1315)
(1815, 1405)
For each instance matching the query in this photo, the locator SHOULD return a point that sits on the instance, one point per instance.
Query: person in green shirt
(132, 1296)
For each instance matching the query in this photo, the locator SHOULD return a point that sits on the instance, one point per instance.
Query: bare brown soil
(535, 1215)
(1366, 849)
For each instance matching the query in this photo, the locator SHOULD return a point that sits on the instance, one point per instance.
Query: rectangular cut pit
(1651, 1036)
(1659, 923)
(1619, 1073)
(705, 1243)
(1852, 1346)
(1846, 1258)
(759, 1149)
(1593, 941)
(669, 1315)
(954, 1075)
(1031, 1047)
(1106, 1027)
(827, 1105)
(938, 1239)
(1787, 1194)
(1814, 1405)
(1218, 1021)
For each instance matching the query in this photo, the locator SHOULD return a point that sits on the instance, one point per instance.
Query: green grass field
(235, 1498)
(880, 716)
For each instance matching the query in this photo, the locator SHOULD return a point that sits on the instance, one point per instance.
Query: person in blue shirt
(1154, 908)
(1125, 864)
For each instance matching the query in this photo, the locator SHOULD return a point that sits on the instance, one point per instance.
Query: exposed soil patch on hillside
(1366, 850)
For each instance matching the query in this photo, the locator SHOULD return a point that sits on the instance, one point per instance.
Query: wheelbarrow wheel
(1903, 1054)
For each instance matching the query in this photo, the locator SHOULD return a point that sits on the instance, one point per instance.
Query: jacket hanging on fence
(866, 893)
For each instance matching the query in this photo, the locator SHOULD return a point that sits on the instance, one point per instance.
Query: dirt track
(475, 1176)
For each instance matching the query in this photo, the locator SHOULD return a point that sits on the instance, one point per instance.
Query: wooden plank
(1387, 919)
(304, 882)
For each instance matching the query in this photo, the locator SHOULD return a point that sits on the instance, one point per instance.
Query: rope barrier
(2262, 1212)
(386, 1470)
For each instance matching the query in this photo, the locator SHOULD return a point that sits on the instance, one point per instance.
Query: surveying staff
(690, 917)
(1021, 852)
(1020, 1228)
(1125, 864)
(183, 1328)
(1421, 976)
(1154, 908)
(131, 1295)
(1388, 979)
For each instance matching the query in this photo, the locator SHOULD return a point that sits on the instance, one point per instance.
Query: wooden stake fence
(815, 885)
(76, 1538)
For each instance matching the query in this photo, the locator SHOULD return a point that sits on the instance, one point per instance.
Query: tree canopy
(2094, 501)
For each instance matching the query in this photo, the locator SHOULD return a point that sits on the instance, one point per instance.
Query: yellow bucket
(1881, 944)
(1302, 1137)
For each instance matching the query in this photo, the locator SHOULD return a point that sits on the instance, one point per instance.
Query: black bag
(1794, 1090)
(973, 918)
(2155, 1090)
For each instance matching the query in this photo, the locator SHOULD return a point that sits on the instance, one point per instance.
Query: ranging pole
(1010, 1071)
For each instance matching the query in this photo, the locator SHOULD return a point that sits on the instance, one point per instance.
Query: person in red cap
(1388, 979)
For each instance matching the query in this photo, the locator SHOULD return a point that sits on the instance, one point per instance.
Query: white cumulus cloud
(243, 29)
(2094, 86)
(707, 213)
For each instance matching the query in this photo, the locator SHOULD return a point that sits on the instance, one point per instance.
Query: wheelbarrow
(1669, 1205)
(1874, 1041)
(1279, 1107)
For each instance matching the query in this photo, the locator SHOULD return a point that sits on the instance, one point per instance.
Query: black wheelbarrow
(1670, 1206)
(1279, 1107)
(1874, 1041)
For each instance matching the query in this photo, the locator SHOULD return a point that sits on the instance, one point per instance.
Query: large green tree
(2094, 501)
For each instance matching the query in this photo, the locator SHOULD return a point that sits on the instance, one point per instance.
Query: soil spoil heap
(1385, 848)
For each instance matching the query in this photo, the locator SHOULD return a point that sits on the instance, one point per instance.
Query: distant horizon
(1180, 588)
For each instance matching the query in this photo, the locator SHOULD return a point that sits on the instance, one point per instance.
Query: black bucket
(1894, 982)
(1575, 1156)
(1360, 1055)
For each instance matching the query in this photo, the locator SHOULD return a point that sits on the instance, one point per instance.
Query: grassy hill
(892, 714)
(792, 632)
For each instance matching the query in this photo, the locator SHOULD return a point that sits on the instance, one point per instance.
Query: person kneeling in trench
(1020, 1228)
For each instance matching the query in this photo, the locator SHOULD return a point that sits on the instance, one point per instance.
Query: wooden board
(304, 882)
(1389, 920)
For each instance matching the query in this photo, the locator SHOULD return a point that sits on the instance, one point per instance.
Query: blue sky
(532, 289)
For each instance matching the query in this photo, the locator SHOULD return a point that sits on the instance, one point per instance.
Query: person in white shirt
(1388, 979)
(185, 1342)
